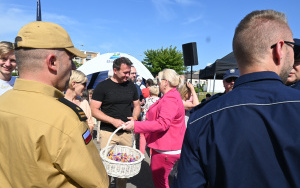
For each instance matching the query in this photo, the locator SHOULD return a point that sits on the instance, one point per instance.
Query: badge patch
(87, 137)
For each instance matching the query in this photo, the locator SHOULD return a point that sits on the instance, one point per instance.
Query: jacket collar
(256, 76)
(37, 87)
(170, 92)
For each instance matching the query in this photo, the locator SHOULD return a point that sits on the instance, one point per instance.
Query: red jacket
(164, 127)
(146, 92)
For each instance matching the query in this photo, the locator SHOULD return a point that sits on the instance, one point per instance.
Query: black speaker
(190, 56)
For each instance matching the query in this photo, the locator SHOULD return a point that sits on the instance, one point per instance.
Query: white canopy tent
(104, 62)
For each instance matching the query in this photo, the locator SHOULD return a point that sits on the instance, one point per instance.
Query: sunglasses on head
(230, 79)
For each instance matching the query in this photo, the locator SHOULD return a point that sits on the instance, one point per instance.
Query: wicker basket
(121, 169)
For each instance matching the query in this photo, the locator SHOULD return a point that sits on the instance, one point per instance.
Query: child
(154, 91)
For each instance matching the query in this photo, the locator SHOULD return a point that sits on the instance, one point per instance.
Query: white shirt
(6, 85)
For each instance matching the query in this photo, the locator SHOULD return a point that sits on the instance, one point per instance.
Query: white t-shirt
(7, 85)
(149, 102)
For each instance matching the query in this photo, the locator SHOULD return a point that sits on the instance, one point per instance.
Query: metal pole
(214, 83)
(191, 74)
(198, 85)
(38, 11)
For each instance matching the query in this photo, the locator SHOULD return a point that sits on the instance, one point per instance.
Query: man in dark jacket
(250, 136)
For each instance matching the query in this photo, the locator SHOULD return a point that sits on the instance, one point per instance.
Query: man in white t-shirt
(7, 65)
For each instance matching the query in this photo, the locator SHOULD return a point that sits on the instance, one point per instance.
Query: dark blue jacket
(249, 137)
(296, 85)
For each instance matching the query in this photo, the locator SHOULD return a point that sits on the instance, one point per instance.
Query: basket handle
(111, 136)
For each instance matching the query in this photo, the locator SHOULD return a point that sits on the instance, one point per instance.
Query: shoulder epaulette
(80, 113)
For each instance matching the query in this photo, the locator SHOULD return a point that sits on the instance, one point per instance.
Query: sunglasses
(296, 47)
(84, 84)
(230, 79)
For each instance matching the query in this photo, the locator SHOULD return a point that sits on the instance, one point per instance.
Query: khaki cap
(45, 35)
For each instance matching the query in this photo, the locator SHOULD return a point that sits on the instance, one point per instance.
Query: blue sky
(133, 26)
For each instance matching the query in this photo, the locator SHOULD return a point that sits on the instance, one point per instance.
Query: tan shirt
(85, 106)
(42, 142)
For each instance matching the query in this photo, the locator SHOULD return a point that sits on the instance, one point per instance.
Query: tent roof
(104, 62)
(219, 67)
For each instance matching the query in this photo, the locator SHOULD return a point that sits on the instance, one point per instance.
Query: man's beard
(285, 71)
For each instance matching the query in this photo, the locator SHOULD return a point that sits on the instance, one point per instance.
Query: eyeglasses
(230, 79)
(295, 47)
(286, 42)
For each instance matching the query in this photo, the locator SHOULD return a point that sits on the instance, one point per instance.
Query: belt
(174, 152)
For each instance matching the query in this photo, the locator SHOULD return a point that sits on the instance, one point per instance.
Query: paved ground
(143, 179)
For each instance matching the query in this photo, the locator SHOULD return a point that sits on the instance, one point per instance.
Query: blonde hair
(169, 74)
(77, 76)
(183, 90)
(256, 33)
(153, 90)
(5, 47)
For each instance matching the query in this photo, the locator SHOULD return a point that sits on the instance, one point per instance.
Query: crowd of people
(247, 136)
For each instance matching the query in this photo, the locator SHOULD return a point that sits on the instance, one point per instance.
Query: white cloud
(185, 2)
(12, 19)
(192, 20)
(58, 19)
(164, 9)
(16, 16)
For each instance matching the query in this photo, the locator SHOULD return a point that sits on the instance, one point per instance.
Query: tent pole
(191, 74)
(214, 83)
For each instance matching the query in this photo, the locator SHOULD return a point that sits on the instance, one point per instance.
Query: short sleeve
(98, 94)
(135, 95)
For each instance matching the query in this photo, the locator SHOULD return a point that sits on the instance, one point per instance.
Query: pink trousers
(161, 166)
(142, 143)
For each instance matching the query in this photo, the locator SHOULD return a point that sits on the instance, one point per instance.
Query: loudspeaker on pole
(190, 56)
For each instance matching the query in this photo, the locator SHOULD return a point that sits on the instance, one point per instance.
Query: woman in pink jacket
(164, 127)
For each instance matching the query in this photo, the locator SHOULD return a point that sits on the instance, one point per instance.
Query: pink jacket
(164, 127)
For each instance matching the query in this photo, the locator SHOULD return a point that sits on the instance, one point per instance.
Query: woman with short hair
(77, 85)
(164, 128)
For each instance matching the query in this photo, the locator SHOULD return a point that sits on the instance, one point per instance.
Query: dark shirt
(296, 85)
(116, 100)
(246, 138)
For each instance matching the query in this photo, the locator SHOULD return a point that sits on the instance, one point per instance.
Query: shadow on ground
(144, 178)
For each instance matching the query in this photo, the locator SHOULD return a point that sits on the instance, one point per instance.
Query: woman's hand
(129, 126)
(190, 86)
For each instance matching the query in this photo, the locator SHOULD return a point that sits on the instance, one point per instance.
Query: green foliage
(200, 87)
(14, 74)
(77, 64)
(157, 60)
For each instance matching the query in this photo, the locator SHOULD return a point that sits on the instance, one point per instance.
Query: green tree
(77, 64)
(157, 60)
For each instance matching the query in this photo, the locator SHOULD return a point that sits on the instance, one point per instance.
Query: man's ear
(115, 70)
(278, 52)
(52, 62)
